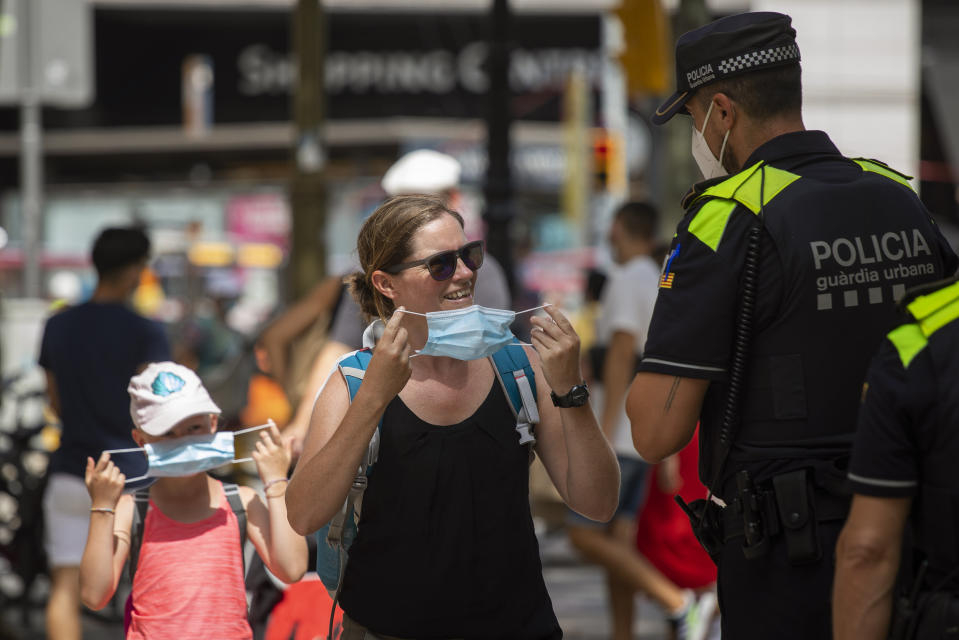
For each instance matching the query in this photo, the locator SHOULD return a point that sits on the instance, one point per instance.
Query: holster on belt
(705, 518)
(792, 506)
(797, 516)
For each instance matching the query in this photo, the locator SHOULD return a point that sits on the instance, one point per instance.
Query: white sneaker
(693, 623)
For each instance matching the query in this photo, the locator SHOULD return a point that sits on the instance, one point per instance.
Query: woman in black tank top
(446, 547)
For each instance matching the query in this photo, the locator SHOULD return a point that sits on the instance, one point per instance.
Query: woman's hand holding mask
(557, 344)
(389, 368)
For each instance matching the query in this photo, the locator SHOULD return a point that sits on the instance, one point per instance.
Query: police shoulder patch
(666, 276)
(710, 221)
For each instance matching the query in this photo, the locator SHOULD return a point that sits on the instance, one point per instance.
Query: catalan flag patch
(666, 277)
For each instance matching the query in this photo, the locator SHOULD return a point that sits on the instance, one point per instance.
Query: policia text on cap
(759, 337)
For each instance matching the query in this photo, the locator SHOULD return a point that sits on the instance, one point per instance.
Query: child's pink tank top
(189, 579)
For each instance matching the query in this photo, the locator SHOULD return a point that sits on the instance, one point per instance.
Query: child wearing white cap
(189, 570)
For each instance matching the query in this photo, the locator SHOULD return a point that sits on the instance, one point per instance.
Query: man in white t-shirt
(626, 306)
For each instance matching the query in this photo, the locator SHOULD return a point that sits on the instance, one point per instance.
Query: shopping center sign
(378, 65)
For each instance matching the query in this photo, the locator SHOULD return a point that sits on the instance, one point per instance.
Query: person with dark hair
(626, 306)
(89, 353)
(780, 283)
(117, 248)
(445, 545)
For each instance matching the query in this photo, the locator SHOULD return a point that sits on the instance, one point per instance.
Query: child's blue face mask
(188, 455)
(467, 334)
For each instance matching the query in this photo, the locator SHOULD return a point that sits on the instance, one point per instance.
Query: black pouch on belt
(797, 515)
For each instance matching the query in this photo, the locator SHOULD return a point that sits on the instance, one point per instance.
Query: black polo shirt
(691, 332)
(815, 327)
(908, 428)
(907, 440)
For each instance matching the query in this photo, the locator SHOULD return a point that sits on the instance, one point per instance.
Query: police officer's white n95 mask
(705, 160)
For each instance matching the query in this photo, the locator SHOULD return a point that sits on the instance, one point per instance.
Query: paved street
(579, 596)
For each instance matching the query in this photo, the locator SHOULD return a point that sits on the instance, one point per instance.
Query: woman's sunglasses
(442, 265)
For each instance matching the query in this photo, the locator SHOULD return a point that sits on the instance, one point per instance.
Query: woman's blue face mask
(188, 455)
(467, 334)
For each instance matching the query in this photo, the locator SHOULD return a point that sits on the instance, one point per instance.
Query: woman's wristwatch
(575, 397)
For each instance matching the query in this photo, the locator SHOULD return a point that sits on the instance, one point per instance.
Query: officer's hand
(557, 344)
(389, 369)
(104, 482)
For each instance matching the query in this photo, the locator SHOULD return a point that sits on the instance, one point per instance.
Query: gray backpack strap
(351, 509)
(232, 492)
(141, 502)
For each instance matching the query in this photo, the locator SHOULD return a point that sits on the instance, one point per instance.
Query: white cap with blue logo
(164, 394)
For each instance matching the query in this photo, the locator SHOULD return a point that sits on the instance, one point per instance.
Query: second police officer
(903, 470)
(779, 285)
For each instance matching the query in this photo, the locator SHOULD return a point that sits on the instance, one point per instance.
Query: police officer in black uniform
(779, 285)
(903, 469)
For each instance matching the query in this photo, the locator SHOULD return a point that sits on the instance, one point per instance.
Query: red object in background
(664, 534)
(259, 217)
(304, 613)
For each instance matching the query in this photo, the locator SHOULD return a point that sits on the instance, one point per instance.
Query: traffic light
(647, 57)
(600, 159)
(609, 172)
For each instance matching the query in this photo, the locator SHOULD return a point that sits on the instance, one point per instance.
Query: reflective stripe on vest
(745, 188)
(883, 170)
(932, 312)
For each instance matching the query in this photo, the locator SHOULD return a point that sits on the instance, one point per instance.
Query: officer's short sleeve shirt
(896, 406)
(693, 321)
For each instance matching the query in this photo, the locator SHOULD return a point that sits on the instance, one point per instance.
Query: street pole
(31, 158)
(680, 172)
(498, 190)
(307, 264)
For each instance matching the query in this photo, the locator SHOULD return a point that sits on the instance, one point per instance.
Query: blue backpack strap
(515, 374)
(335, 537)
(353, 368)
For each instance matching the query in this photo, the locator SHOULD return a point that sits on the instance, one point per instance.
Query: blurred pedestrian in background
(185, 554)
(89, 353)
(903, 475)
(446, 545)
(626, 305)
(774, 296)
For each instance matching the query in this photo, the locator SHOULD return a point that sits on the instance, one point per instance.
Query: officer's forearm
(663, 411)
(862, 602)
(867, 560)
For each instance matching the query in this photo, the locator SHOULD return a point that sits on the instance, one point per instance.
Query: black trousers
(768, 598)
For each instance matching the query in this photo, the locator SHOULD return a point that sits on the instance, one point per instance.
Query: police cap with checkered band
(726, 48)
